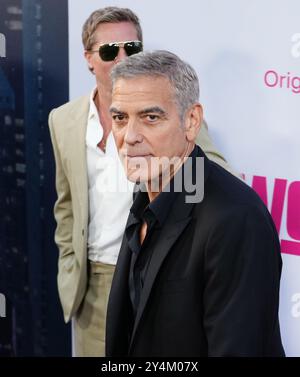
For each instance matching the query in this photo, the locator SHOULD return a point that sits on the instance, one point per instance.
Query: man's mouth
(137, 155)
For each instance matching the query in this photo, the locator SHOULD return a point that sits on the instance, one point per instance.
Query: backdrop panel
(247, 55)
(33, 79)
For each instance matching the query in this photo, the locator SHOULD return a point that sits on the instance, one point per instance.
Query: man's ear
(88, 58)
(193, 121)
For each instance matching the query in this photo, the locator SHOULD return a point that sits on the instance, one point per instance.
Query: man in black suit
(197, 275)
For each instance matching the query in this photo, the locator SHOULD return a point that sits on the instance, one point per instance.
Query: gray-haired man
(192, 279)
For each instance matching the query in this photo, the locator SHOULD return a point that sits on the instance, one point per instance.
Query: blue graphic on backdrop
(33, 80)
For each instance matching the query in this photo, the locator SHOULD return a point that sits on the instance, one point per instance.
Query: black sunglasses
(109, 51)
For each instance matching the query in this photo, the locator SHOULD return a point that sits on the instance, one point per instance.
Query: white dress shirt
(110, 193)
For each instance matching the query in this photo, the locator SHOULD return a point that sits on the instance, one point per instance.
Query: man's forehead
(141, 83)
(136, 96)
(109, 32)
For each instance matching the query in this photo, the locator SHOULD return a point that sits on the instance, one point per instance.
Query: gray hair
(180, 74)
(108, 15)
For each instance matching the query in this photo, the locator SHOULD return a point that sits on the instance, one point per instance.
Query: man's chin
(147, 182)
(136, 177)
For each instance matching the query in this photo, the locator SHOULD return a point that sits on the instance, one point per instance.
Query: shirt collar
(94, 130)
(159, 208)
(93, 113)
(161, 205)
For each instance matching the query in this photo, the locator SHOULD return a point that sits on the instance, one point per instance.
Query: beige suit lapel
(77, 135)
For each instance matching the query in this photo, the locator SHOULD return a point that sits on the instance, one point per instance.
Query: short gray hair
(181, 75)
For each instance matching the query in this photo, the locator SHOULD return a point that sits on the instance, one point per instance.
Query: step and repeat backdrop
(247, 55)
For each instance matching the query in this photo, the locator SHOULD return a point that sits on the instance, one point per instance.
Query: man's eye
(118, 117)
(152, 117)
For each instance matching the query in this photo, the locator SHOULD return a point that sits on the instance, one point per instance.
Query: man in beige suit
(91, 220)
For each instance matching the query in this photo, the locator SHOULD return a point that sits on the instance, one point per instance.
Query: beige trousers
(90, 320)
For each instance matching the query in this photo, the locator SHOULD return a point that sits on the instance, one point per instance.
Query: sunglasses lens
(133, 47)
(108, 52)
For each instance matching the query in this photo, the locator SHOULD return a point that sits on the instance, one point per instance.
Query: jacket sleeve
(63, 207)
(241, 293)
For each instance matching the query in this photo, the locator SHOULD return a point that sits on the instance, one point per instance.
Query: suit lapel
(119, 307)
(173, 228)
(178, 219)
(77, 134)
(82, 177)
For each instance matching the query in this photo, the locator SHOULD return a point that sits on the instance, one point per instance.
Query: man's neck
(102, 97)
(102, 100)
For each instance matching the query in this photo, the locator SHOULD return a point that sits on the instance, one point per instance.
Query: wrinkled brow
(116, 111)
(153, 109)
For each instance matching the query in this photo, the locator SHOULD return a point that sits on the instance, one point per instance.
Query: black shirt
(155, 215)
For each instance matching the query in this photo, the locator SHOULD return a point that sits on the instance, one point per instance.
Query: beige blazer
(68, 130)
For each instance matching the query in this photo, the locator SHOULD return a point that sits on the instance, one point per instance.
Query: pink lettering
(278, 201)
(259, 184)
(281, 81)
(273, 79)
(293, 211)
(271, 75)
(296, 87)
(290, 247)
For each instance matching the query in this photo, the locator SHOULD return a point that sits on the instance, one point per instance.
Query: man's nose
(121, 55)
(133, 135)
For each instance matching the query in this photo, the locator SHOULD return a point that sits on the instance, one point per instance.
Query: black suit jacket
(212, 286)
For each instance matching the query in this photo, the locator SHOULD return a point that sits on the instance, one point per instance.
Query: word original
(273, 79)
